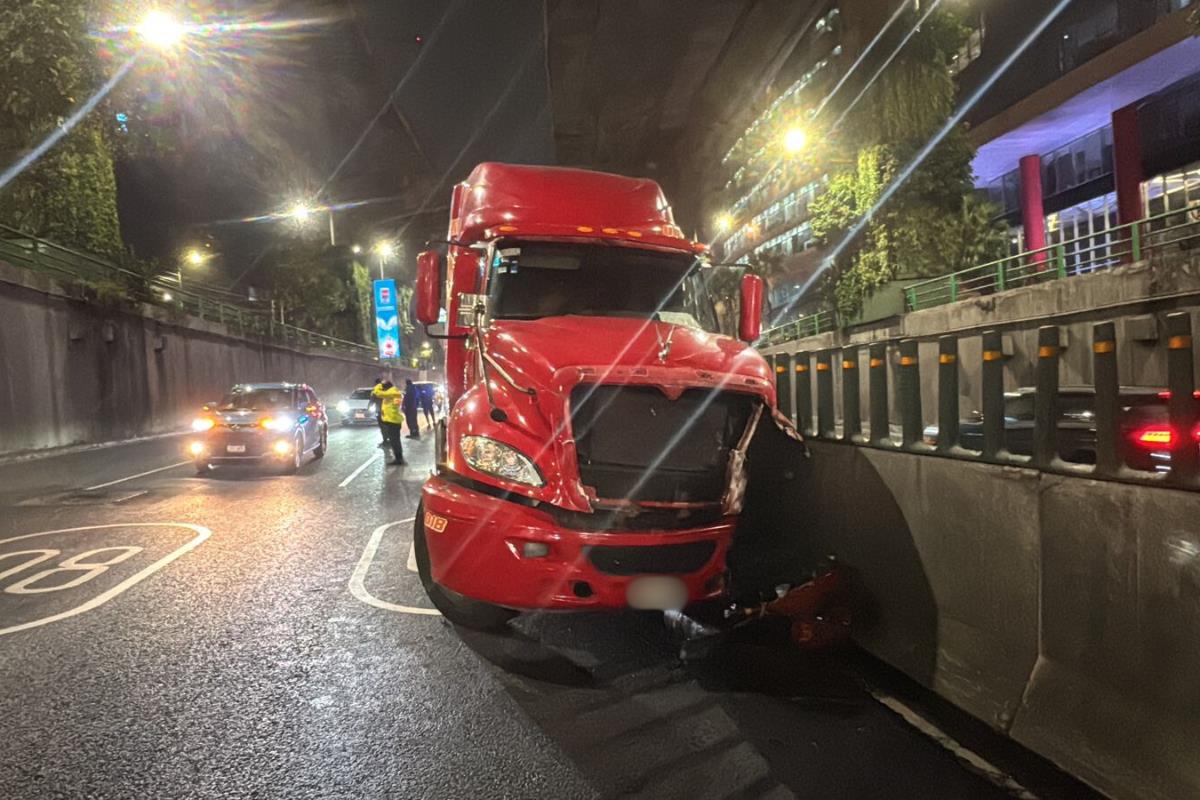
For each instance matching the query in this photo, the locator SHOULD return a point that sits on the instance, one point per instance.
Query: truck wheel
(462, 611)
(323, 446)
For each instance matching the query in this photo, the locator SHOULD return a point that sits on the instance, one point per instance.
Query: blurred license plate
(359, 415)
(235, 448)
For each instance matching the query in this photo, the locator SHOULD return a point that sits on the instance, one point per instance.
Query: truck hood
(537, 351)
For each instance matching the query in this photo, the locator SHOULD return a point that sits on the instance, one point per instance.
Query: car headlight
(202, 424)
(496, 458)
(279, 424)
(343, 407)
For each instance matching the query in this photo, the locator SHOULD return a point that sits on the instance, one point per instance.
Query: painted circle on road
(53, 575)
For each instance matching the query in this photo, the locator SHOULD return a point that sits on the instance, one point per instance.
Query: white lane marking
(412, 557)
(202, 533)
(973, 761)
(358, 587)
(358, 471)
(139, 475)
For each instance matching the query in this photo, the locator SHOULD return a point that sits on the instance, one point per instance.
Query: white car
(358, 409)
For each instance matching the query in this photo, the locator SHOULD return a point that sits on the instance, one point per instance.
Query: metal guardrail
(1183, 403)
(807, 325)
(40, 255)
(1123, 244)
(1173, 230)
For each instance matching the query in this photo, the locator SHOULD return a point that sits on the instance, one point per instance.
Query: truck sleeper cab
(598, 421)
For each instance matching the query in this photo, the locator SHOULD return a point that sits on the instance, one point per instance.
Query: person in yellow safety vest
(390, 417)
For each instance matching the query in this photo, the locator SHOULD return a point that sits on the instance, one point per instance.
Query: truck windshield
(530, 280)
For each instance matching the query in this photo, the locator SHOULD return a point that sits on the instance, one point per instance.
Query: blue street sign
(387, 319)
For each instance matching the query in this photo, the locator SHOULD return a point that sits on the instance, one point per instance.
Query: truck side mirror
(429, 299)
(750, 323)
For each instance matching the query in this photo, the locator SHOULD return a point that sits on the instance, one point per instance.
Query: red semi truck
(593, 456)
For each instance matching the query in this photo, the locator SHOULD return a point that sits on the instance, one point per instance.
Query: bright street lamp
(386, 251)
(724, 222)
(355, 249)
(795, 140)
(195, 257)
(300, 212)
(160, 30)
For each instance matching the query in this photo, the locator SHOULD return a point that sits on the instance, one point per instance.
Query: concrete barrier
(1062, 611)
(74, 372)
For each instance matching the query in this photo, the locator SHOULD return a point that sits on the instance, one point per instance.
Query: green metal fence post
(953, 288)
(1045, 398)
(1104, 370)
(947, 438)
(783, 383)
(1135, 241)
(1001, 277)
(804, 419)
(851, 402)
(1183, 409)
(881, 434)
(910, 296)
(1060, 260)
(993, 394)
(909, 381)
(825, 420)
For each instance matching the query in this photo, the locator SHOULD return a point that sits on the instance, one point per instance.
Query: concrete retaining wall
(1063, 611)
(73, 372)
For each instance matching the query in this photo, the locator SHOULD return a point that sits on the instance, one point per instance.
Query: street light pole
(332, 233)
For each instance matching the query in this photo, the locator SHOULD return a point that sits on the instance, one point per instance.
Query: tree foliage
(48, 67)
(934, 223)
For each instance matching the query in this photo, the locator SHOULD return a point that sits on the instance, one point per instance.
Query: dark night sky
(267, 117)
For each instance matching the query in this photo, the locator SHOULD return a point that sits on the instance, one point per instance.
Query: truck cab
(593, 454)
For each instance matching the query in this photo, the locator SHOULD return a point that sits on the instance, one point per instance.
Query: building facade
(1096, 124)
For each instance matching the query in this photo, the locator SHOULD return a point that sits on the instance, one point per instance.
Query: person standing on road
(411, 406)
(389, 408)
(383, 440)
(427, 404)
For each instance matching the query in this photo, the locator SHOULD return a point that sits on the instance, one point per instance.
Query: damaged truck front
(594, 454)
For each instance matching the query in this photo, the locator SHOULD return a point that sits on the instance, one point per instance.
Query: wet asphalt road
(232, 636)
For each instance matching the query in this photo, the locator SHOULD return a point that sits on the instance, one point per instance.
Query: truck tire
(460, 610)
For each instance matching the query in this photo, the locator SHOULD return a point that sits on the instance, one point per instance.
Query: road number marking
(73, 564)
(42, 555)
(357, 579)
(201, 534)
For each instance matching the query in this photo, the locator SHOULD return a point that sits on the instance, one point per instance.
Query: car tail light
(1159, 437)
(1167, 395)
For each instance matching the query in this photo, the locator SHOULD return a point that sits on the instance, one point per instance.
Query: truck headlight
(343, 407)
(496, 458)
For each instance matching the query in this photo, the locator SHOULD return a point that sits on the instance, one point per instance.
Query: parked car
(260, 423)
(1144, 429)
(359, 408)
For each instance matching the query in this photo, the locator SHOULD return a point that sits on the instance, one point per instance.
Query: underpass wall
(74, 372)
(1062, 611)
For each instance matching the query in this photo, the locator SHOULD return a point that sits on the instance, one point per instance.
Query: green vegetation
(935, 224)
(48, 66)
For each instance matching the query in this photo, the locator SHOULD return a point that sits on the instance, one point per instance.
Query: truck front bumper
(512, 555)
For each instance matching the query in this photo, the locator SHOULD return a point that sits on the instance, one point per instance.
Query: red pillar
(1033, 216)
(1127, 164)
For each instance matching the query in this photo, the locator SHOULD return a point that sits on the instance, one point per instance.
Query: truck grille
(635, 443)
(672, 559)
